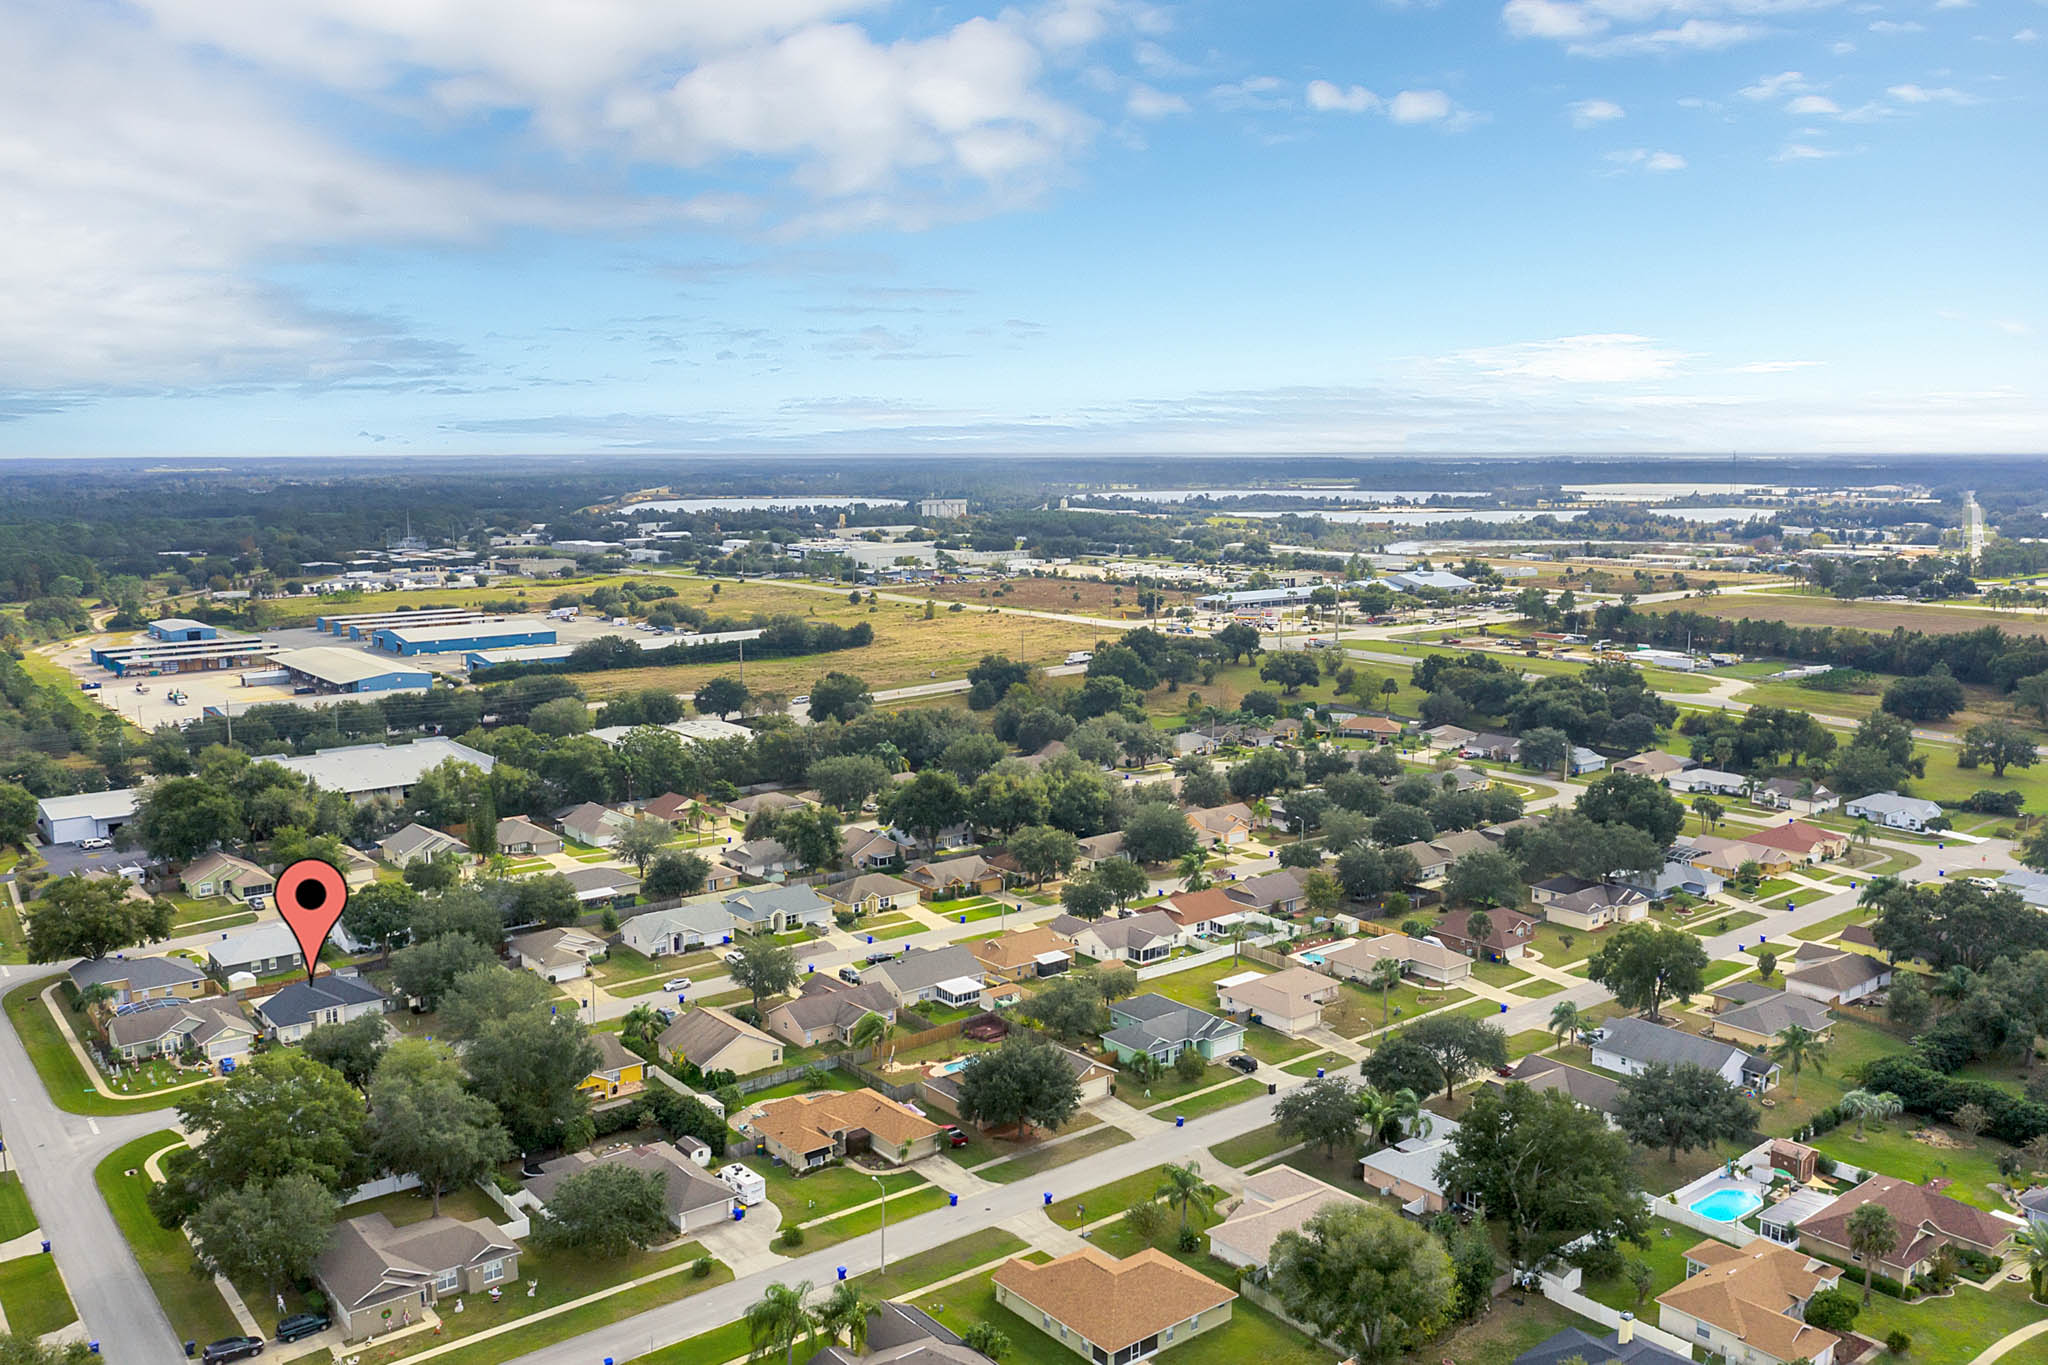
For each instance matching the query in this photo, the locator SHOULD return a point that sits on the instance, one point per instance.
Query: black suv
(232, 1348)
(300, 1325)
(1240, 1062)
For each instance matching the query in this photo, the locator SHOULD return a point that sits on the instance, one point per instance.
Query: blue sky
(315, 227)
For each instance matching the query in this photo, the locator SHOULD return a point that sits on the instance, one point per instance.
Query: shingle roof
(1776, 1012)
(1642, 1041)
(1841, 971)
(806, 1123)
(1279, 1199)
(1156, 1019)
(684, 1187)
(1589, 1088)
(300, 1001)
(369, 1260)
(921, 968)
(1751, 1293)
(699, 1035)
(1576, 1342)
(1113, 1303)
(141, 973)
(1925, 1217)
(205, 1020)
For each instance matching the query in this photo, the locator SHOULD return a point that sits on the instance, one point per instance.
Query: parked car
(1241, 1062)
(88, 687)
(232, 1348)
(300, 1325)
(850, 975)
(880, 955)
(676, 983)
(734, 958)
(954, 1137)
(95, 842)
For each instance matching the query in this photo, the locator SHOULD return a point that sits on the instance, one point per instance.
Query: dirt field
(1084, 595)
(1877, 617)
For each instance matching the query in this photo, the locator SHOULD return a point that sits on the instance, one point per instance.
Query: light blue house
(1163, 1029)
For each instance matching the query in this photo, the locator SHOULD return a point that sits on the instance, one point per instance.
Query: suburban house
(1353, 959)
(602, 886)
(1113, 1311)
(1757, 1021)
(1492, 747)
(2034, 1206)
(760, 859)
(679, 929)
(1579, 904)
(132, 979)
(948, 975)
(212, 1027)
(1893, 811)
(1224, 826)
(1092, 1077)
(303, 1006)
(1708, 782)
(778, 909)
(1927, 1221)
(223, 874)
(805, 1132)
(1796, 795)
(1288, 1001)
(1148, 936)
(619, 1071)
(1630, 1046)
(1276, 1200)
(1463, 779)
(1580, 759)
(520, 837)
(1448, 737)
(1163, 1029)
(1377, 728)
(863, 850)
(1601, 1094)
(1620, 1347)
(826, 1010)
(670, 808)
(1728, 856)
(1676, 876)
(762, 803)
(971, 875)
(1506, 940)
(1270, 893)
(711, 1040)
(1748, 1304)
(1206, 911)
(557, 954)
(1807, 843)
(590, 823)
(1407, 1170)
(899, 1334)
(873, 892)
(263, 950)
(417, 844)
(1097, 849)
(1022, 954)
(1653, 763)
(1835, 977)
(1431, 860)
(371, 1266)
(692, 1200)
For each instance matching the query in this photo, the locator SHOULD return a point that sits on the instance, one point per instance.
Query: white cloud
(1841, 47)
(1773, 366)
(1551, 19)
(1955, 4)
(1813, 104)
(2013, 328)
(1891, 28)
(1419, 106)
(1694, 35)
(1642, 158)
(1770, 87)
(1918, 94)
(1328, 97)
(1593, 113)
(1253, 92)
(1145, 102)
(2026, 35)
(1803, 151)
(1596, 358)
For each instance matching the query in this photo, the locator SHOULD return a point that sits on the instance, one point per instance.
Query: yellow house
(619, 1071)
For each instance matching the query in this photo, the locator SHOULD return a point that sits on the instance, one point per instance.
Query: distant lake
(758, 504)
(1496, 516)
(1591, 492)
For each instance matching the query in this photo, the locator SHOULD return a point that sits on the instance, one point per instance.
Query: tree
(1644, 965)
(1398, 1064)
(810, 834)
(1545, 748)
(778, 1320)
(1182, 1186)
(1484, 877)
(1709, 810)
(1158, 833)
(1123, 879)
(930, 802)
(1832, 1310)
(1194, 873)
(432, 874)
(1766, 964)
(845, 1313)
(180, 818)
(1085, 897)
(1365, 1279)
(1386, 974)
(1201, 784)
(1864, 1105)
(1680, 1108)
(1148, 1219)
(764, 968)
(1389, 1115)
(549, 899)
(605, 1210)
(529, 1066)
(1460, 1047)
(675, 874)
(1799, 1047)
(80, 916)
(281, 1113)
(2034, 1241)
(1043, 852)
(1293, 671)
(380, 915)
(426, 970)
(871, 1030)
(424, 1122)
(721, 697)
(353, 1048)
(1548, 1167)
(1324, 1113)
(17, 814)
(267, 1232)
(639, 842)
(1025, 1082)
(1970, 1119)
(1237, 640)
(839, 696)
(846, 781)
(482, 995)
(2001, 744)
(1321, 892)
(1934, 695)
(984, 1337)
(1636, 800)
(1873, 1235)
(1071, 1006)
(1113, 981)
(16, 1349)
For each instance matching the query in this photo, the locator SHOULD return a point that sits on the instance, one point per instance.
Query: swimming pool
(1314, 959)
(949, 1068)
(1730, 1204)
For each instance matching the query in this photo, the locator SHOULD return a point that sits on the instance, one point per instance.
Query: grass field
(1877, 617)
(1247, 1148)
(1028, 1164)
(33, 1296)
(1953, 1330)
(825, 1192)
(16, 1217)
(59, 1067)
(1210, 1101)
(195, 1308)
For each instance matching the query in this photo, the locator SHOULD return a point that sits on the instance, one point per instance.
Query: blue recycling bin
(1180, 1121)
(1048, 1199)
(1319, 1073)
(1503, 1009)
(963, 919)
(952, 1201)
(871, 938)
(842, 1272)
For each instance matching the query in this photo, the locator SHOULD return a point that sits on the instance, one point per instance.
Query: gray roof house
(930, 974)
(604, 885)
(416, 843)
(263, 949)
(1589, 1088)
(692, 1199)
(163, 1028)
(678, 929)
(1619, 1347)
(301, 1007)
(1278, 893)
(371, 1266)
(139, 978)
(1676, 876)
(1893, 810)
(1148, 936)
(1631, 1045)
(1163, 1029)
(899, 1334)
(777, 909)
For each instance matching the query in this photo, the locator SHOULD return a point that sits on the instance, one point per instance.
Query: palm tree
(1800, 1047)
(1873, 1232)
(1869, 1104)
(2034, 1241)
(1183, 1186)
(1567, 1021)
(988, 1339)
(1954, 985)
(1193, 876)
(1388, 1114)
(1386, 974)
(872, 1030)
(1237, 934)
(640, 1024)
(845, 1314)
(778, 1320)
(1708, 809)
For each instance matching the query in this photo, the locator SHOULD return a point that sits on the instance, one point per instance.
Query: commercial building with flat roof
(156, 657)
(358, 625)
(88, 815)
(366, 770)
(460, 638)
(332, 669)
(181, 629)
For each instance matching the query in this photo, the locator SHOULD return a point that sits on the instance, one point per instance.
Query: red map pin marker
(310, 896)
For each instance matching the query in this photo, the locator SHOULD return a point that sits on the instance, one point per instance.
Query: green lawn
(59, 1068)
(32, 1293)
(1505, 1332)
(1854, 1044)
(1952, 1330)
(1734, 919)
(1972, 1166)
(1549, 942)
(1828, 928)
(1273, 1048)
(1027, 1164)
(1209, 1102)
(1248, 1148)
(834, 1079)
(16, 1217)
(1536, 987)
(407, 1207)
(1502, 975)
(1719, 971)
(942, 1262)
(195, 1308)
(1197, 985)
(1105, 1201)
(1169, 1087)
(823, 1192)
(922, 1200)
(1664, 1253)
(1308, 1066)
(1530, 1040)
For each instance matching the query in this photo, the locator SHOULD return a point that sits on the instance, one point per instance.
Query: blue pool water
(1316, 958)
(958, 1064)
(1728, 1205)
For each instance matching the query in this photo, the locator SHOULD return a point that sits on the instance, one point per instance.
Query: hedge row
(1923, 1090)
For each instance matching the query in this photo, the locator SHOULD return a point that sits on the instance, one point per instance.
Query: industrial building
(328, 668)
(1259, 597)
(690, 729)
(363, 771)
(88, 815)
(362, 624)
(478, 659)
(461, 638)
(156, 657)
(179, 629)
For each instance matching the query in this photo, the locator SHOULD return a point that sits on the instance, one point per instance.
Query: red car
(954, 1137)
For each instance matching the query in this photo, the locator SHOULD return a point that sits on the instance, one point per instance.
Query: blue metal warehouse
(178, 629)
(459, 638)
(330, 669)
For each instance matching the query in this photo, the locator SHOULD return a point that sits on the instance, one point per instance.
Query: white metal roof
(332, 664)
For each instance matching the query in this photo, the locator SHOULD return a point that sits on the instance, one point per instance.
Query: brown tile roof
(806, 1123)
(1190, 908)
(1926, 1219)
(1112, 1303)
(1509, 928)
(1797, 837)
(1749, 1292)
(1006, 952)
(668, 806)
